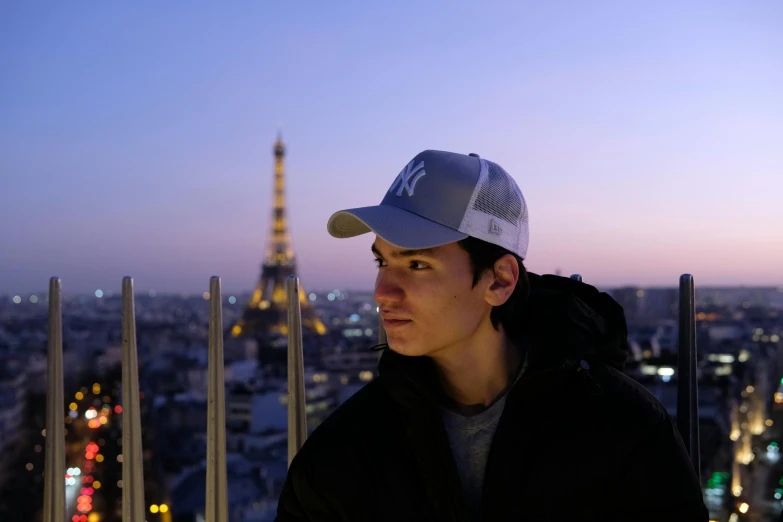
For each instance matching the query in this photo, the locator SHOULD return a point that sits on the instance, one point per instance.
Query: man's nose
(387, 288)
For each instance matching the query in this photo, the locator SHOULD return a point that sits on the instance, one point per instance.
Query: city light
(96, 484)
(99, 458)
(205, 295)
(312, 297)
(17, 299)
(90, 414)
(96, 388)
(33, 299)
(79, 396)
(153, 508)
(73, 406)
(232, 300)
(163, 508)
(153, 293)
(118, 409)
(99, 293)
(743, 508)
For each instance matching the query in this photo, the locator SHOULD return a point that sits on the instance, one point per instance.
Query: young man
(500, 395)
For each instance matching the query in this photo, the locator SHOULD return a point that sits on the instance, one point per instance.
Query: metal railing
(688, 379)
(133, 508)
(54, 467)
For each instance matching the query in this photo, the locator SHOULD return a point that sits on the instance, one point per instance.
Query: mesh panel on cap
(496, 195)
(497, 212)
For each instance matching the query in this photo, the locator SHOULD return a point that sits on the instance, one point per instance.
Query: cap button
(473, 154)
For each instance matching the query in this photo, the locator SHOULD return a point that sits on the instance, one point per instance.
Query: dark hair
(483, 256)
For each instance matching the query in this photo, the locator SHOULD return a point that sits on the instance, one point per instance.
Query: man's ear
(504, 280)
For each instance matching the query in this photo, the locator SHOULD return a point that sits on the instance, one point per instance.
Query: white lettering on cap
(408, 177)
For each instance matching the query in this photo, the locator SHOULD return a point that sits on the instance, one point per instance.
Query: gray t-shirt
(470, 439)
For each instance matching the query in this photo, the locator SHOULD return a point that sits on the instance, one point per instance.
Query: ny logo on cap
(408, 177)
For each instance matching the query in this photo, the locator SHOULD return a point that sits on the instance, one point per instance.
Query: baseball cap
(441, 197)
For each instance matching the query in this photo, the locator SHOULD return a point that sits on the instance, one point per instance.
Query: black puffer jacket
(577, 441)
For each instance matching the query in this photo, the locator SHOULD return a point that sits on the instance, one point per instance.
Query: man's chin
(408, 348)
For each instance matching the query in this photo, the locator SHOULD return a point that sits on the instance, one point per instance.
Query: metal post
(217, 491)
(688, 382)
(577, 277)
(132, 463)
(297, 421)
(54, 467)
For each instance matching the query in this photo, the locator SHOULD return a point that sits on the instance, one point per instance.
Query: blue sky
(136, 139)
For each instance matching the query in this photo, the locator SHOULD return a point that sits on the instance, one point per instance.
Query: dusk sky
(136, 138)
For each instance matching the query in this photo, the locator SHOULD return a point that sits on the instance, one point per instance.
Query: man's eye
(415, 265)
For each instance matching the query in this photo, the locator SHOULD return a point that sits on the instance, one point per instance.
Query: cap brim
(397, 226)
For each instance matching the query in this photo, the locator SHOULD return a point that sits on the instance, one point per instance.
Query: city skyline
(142, 146)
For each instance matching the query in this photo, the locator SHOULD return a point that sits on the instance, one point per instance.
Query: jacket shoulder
(337, 455)
(352, 424)
(625, 404)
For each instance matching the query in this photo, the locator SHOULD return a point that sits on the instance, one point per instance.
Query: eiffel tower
(267, 312)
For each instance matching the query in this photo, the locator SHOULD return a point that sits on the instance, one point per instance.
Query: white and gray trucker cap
(442, 197)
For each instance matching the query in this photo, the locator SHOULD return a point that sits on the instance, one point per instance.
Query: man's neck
(475, 373)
